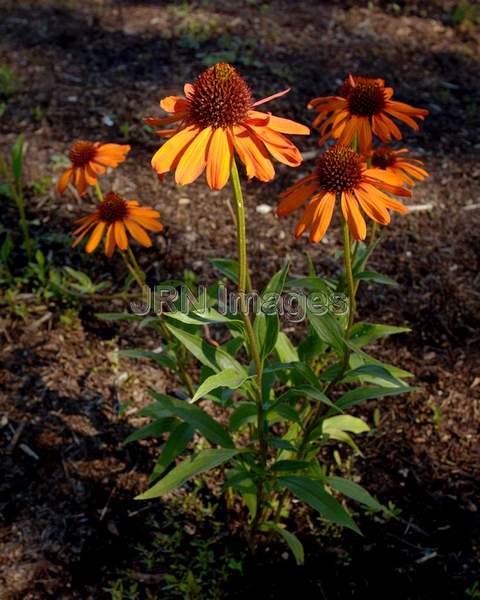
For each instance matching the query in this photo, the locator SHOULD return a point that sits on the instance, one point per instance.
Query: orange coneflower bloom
(363, 106)
(342, 174)
(216, 117)
(117, 216)
(90, 159)
(406, 168)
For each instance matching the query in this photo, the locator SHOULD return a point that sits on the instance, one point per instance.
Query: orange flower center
(82, 152)
(382, 158)
(221, 98)
(339, 169)
(366, 98)
(113, 208)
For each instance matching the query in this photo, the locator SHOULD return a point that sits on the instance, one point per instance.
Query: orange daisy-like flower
(117, 216)
(363, 106)
(90, 159)
(216, 117)
(341, 174)
(406, 168)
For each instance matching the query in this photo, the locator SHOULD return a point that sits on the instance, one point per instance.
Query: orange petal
(287, 126)
(293, 200)
(120, 235)
(110, 240)
(148, 223)
(165, 157)
(272, 97)
(322, 218)
(95, 238)
(64, 179)
(353, 216)
(138, 233)
(194, 159)
(375, 210)
(253, 154)
(173, 104)
(308, 217)
(219, 159)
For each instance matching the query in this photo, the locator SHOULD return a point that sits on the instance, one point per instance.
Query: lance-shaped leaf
(356, 492)
(366, 333)
(229, 378)
(177, 442)
(358, 395)
(211, 356)
(293, 542)
(313, 493)
(203, 461)
(196, 417)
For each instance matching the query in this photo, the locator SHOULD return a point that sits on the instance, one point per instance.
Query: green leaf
(285, 412)
(281, 444)
(372, 374)
(313, 493)
(290, 465)
(159, 357)
(293, 542)
(310, 392)
(243, 414)
(230, 378)
(152, 430)
(267, 324)
(211, 356)
(228, 267)
(17, 160)
(202, 318)
(286, 351)
(376, 278)
(345, 423)
(196, 417)
(203, 461)
(356, 492)
(177, 441)
(328, 329)
(366, 333)
(314, 284)
(359, 395)
(360, 356)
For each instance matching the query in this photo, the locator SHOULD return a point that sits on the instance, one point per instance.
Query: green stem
(347, 254)
(98, 191)
(139, 276)
(243, 279)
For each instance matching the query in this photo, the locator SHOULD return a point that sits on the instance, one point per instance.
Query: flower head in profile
(394, 161)
(341, 174)
(116, 217)
(90, 159)
(363, 107)
(216, 118)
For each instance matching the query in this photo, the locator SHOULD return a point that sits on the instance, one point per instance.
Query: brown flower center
(221, 98)
(383, 158)
(82, 152)
(365, 98)
(339, 169)
(113, 208)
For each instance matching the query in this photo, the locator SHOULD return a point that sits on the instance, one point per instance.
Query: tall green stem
(347, 254)
(243, 278)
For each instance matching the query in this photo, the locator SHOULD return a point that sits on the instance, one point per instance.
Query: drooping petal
(253, 154)
(219, 159)
(121, 235)
(323, 217)
(353, 216)
(138, 233)
(308, 217)
(295, 198)
(148, 223)
(64, 180)
(165, 157)
(375, 210)
(194, 159)
(110, 240)
(95, 237)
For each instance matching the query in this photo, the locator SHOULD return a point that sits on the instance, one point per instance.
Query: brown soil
(68, 521)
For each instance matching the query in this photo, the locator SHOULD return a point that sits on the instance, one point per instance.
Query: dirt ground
(92, 69)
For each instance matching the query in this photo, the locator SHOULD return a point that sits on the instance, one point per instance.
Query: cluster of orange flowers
(217, 118)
